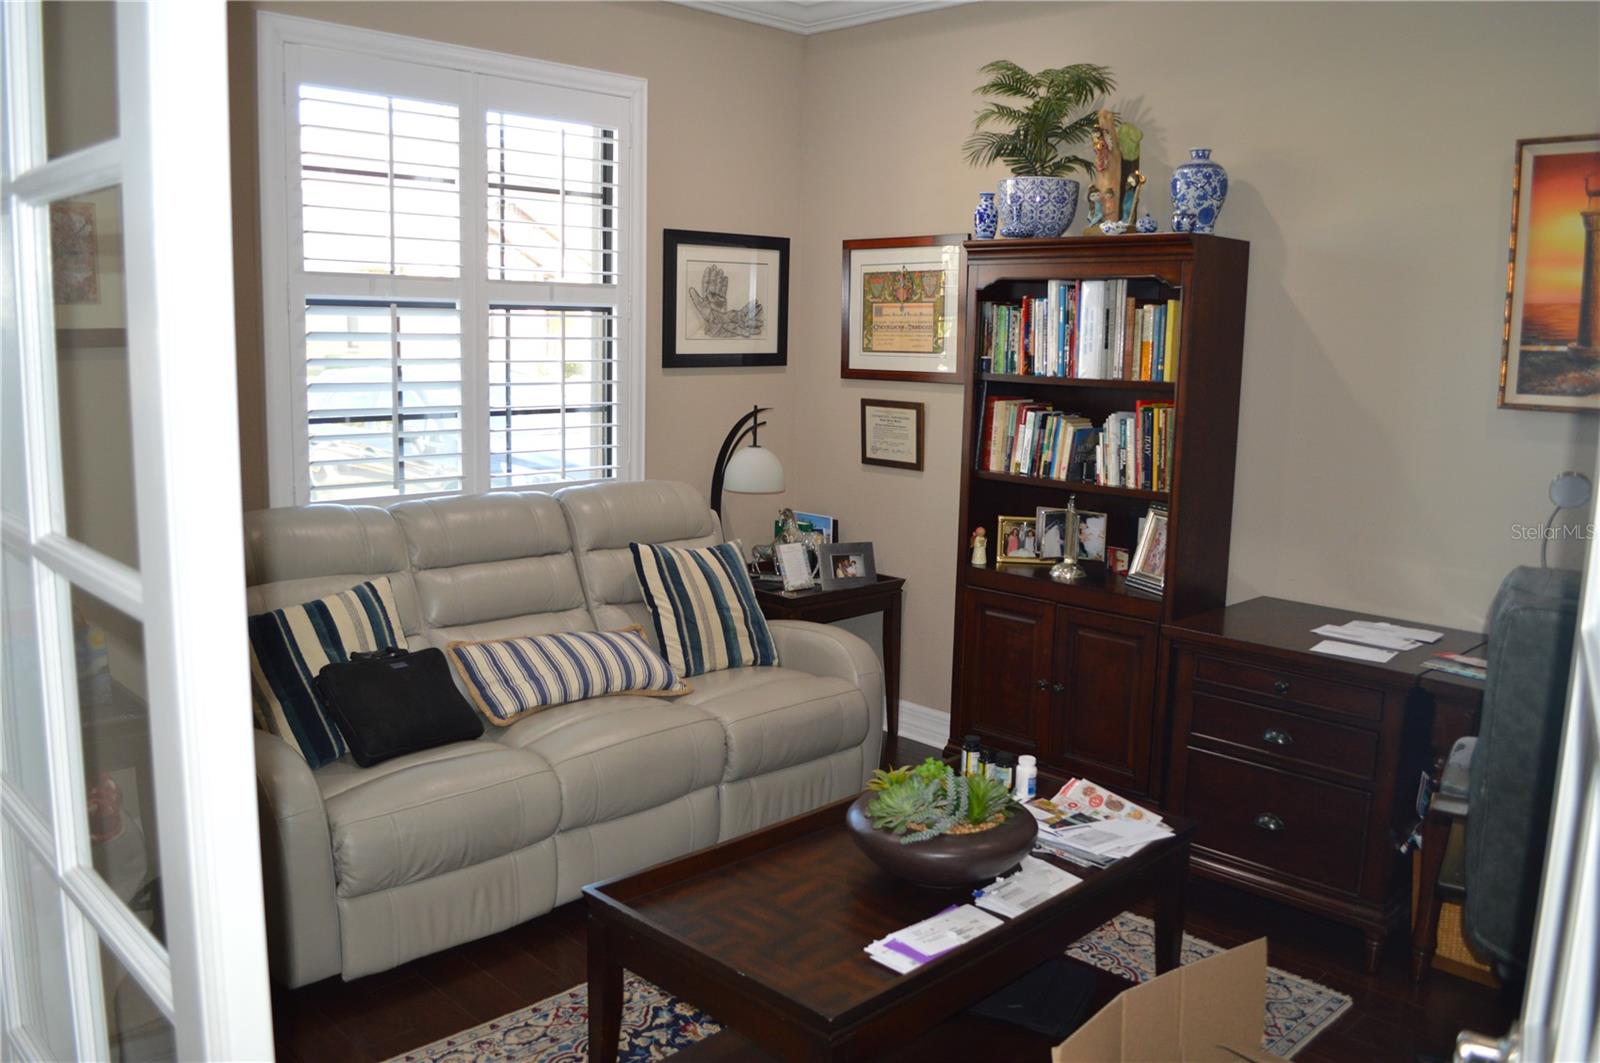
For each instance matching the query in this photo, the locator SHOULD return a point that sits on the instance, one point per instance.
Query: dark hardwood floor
(385, 1014)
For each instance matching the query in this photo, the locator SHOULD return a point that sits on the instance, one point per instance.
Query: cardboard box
(1205, 1012)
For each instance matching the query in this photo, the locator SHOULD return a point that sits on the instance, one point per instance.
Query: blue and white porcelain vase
(1036, 206)
(985, 219)
(1198, 188)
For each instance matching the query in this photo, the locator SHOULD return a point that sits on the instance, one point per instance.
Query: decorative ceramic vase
(1198, 188)
(1114, 228)
(985, 218)
(950, 859)
(1037, 206)
(1146, 224)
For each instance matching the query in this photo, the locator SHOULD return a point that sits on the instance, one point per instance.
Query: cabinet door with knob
(1102, 689)
(1006, 649)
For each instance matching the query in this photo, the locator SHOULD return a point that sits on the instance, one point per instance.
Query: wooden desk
(1300, 769)
(824, 607)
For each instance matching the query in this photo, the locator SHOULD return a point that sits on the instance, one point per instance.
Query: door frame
(210, 978)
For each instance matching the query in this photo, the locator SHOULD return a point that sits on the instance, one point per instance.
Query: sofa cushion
(777, 717)
(704, 608)
(492, 566)
(289, 646)
(509, 677)
(604, 518)
(426, 814)
(619, 755)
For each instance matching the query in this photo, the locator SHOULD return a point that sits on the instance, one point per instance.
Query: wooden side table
(824, 607)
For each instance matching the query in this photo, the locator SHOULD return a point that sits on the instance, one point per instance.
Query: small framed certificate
(899, 312)
(891, 433)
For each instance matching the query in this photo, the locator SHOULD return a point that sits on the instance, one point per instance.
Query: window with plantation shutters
(453, 268)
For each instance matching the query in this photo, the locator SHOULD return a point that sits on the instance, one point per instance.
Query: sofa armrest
(297, 865)
(823, 649)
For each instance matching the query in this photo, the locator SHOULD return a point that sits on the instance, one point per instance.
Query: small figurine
(1114, 228)
(1096, 213)
(1130, 199)
(980, 547)
(1147, 223)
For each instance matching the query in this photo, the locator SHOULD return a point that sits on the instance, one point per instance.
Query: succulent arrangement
(931, 799)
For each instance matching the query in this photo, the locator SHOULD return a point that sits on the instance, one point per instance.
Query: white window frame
(288, 473)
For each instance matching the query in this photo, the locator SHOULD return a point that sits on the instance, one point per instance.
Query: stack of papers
(1100, 844)
(1028, 887)
(906, 950)
(1371, 640)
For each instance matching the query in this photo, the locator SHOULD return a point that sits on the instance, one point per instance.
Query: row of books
(1135, 449)
(1027, 438)
(1089, 329)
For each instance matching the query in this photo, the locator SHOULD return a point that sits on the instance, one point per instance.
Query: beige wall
(724, 155)
(1369, 147)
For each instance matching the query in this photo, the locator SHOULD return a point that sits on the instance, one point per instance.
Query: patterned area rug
(654, 1025)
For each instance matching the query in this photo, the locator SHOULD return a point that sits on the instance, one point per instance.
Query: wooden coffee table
(766, 933)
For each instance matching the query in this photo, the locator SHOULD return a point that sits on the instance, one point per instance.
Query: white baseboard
(919, 723)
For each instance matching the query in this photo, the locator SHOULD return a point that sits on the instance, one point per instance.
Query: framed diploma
(891, 433)
(899, 313)
(724, 300)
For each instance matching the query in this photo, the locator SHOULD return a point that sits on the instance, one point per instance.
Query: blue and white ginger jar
(986, 218)
(1036, 206)
(1198, 188)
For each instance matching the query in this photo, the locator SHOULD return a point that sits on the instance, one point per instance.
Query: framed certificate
(891, 433)
(899, 312)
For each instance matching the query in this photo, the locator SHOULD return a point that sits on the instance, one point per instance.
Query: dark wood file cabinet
(1299, 769)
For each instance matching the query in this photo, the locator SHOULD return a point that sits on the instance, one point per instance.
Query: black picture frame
(679, 307)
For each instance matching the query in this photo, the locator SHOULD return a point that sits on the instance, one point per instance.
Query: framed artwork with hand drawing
(725, 299)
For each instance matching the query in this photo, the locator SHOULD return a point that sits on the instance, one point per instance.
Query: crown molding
(806, 17)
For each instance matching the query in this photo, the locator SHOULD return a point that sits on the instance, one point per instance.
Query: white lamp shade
(753, 471)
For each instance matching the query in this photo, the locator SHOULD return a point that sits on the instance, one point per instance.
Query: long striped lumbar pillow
(288, 647)
(705, 609)
(508, 678)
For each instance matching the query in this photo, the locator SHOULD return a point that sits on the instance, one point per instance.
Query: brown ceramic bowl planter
(950, 859)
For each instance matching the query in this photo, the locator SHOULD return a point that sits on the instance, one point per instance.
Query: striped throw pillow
(508, 678)
(288, 647)
(705, 609)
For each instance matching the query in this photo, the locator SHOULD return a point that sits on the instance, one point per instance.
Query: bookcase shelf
(1071, 486)
(1154, 387)
(1069, 672)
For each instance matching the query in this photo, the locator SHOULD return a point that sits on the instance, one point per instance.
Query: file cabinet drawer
(1315, 831)
(1348, 750)
(1315, 691)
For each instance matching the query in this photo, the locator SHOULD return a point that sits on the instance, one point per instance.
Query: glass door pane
(80, 74)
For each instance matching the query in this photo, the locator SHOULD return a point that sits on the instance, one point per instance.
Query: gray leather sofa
(367, 868)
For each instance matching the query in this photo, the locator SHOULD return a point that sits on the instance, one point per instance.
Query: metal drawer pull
(1269, 823)
(1042, 684)
(1275, 737)
(1059, 688)
(1281, 687)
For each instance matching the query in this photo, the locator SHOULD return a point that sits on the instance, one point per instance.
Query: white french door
(131, 886)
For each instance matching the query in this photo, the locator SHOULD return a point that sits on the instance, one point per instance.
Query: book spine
(1174, 331)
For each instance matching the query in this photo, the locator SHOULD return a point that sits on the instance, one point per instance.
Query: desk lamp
(753, 470)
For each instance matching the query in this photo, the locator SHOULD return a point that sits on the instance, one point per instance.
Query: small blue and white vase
(985, 219)
(1036, 206)
(1145, 224)
(1198, 188)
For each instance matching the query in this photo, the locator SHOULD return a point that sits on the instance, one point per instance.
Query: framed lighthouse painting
(1550, 340)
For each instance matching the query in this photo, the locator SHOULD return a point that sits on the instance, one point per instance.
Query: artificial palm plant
(1040, 130)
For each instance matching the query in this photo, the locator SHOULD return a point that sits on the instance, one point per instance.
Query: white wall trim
(814, 16)
(919, 723)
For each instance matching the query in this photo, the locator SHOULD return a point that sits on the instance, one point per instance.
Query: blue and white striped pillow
(288, 647)
(507, 678)
(705, 609)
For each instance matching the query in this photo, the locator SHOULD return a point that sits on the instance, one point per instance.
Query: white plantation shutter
(401, 367)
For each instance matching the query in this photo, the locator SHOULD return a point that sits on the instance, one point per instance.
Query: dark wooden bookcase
(1068, 672)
